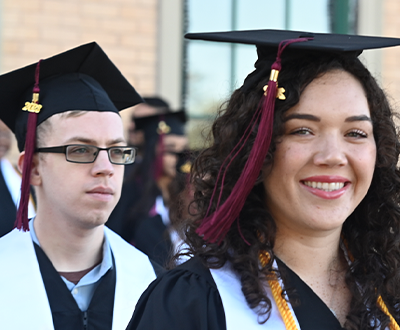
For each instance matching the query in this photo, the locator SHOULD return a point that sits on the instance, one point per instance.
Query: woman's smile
(325, 186)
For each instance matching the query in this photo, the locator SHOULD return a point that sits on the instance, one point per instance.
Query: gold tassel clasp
(163, 128)
(279, 92)
(33, 106)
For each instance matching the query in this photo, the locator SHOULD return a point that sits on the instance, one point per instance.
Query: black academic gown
(8, 210)
(65, 311)
(187, 298)
(152, 238)
(120, 220)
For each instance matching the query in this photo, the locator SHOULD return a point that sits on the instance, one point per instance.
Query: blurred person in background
(165, 140)
(133, 181)
(10, 185)
(161, 235)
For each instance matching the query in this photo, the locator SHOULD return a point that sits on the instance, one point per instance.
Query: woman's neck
(319, 261)
(308, 254)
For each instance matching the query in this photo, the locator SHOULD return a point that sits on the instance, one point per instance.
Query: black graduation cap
(171, 122)
(274, 47)
(267, 42)
(155, 127)
(83, 78)
(327, 42)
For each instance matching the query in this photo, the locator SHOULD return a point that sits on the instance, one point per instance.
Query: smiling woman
(297, 199)
(325, 159)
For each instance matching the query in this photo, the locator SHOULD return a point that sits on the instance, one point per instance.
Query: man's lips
(101, 190)
(101, 193)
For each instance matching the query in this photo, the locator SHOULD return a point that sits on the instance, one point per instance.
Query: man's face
(82, 194)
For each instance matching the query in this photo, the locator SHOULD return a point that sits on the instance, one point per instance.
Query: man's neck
(69, 248)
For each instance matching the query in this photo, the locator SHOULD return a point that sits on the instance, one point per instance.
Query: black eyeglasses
(83, 153)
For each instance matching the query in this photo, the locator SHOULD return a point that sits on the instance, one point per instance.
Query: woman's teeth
(326, 186)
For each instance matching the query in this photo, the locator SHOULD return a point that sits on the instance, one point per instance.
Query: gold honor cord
(393, 324)
(276, 289)
(283, 306)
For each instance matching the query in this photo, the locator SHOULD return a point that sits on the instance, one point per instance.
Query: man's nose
(102, 164)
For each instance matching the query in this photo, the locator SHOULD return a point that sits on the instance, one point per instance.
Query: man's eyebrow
(358, 118)
(301, 116)
(93, 142)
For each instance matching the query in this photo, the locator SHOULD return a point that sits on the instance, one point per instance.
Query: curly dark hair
(371, 231)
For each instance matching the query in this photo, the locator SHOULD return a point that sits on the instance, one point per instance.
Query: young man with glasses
(64, 269)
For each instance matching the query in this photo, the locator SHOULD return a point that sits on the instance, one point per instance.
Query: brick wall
(125, 29)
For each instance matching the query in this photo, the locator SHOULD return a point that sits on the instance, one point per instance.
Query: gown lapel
(22, 285)
(311, 312)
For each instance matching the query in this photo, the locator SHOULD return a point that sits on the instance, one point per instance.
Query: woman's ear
(35, 175)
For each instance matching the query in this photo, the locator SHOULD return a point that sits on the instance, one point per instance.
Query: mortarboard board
(326, 42)
(270, 45)
(83, 78)
(267, 43)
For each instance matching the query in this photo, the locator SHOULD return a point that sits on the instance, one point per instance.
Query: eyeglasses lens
(81, 153)
(87, 154)
(122, 155)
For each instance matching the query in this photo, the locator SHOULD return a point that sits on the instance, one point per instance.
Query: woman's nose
(330, 151)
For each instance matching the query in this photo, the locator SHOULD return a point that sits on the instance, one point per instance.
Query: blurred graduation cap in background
(169, 122)
(155, 127)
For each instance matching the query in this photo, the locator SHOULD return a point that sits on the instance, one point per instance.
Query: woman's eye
(357, 134)
(301, 131)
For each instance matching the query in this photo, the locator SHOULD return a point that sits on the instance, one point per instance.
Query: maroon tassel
(22, 214)
(22, 221)
(215, 227)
